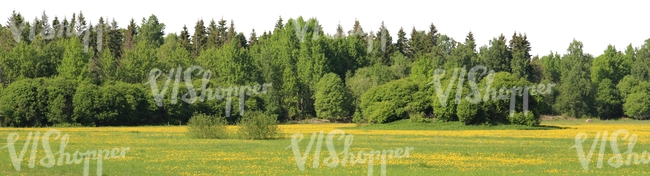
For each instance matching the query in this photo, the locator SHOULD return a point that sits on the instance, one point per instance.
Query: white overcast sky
(550, 24)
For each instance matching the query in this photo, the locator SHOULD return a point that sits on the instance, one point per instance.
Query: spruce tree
(185, 39)
(223, 32)
(253, 39)
(213, 35)
(130, 35)
(200, 38)
(402, 41)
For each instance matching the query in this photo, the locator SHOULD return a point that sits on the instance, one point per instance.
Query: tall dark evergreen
(81, 24)
(519, 49)
(213, 35)
(130, 34)
(402, 43)
(222, 33)
(339, 31)
(279, 24)
(231, 31)
(115, 40)
(253, 39)
(200, 38)
(185, 40)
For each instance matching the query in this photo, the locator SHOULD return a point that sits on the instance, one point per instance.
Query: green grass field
(438, 149)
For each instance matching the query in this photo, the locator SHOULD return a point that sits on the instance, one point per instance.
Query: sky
(551, 25)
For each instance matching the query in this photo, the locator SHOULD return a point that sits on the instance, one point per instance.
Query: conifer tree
(253, 39)
(130, 34)
(213, 35)
(199, 39)
(185, 39)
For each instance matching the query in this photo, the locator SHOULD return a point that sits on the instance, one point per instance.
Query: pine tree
(339, 31)
(15, 22)
(401, 44)
(253, 39)
(72, 30)
(223, 35)
(384, 47)
(415, 43)
(519, 49)
(279, 24)
(63, 32)
(114, 39)
(199, 39)
(470, 43)
(47, 31)
(433, 35)
(130, 35)
(213, 35)
(185, 39)
(152, 32)
(81, 24)
(56, 26)
(231, 31)
(497, 57)
(357, 30)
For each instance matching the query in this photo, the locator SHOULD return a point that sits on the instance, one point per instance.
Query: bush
(392, 101)
(418, 117)
(204, 126)
(637, 105)
(332, 100)
(258, 125)
(380, 112)
(470, 113)
(528, 119)
(24, 103)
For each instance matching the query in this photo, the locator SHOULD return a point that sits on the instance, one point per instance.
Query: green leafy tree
(496, 56)
(641, 66)
(331, 99)
(73, 65)
(637, 103)
(609, 66)
(608, 101)
(152, 31)
(576, 88)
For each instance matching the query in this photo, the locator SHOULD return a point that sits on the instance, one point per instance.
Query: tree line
(72, 72)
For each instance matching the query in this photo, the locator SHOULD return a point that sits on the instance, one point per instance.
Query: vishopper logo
(346, 157)
(617, 159)
(49, 160)
(50, 32)
(489, 92)
(301, 33)
(207, 94)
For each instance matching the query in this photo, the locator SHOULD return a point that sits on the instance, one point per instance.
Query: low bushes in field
(204, 126)
(258, 125)
(254, 125)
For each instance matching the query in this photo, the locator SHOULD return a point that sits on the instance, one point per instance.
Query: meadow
(438, 149)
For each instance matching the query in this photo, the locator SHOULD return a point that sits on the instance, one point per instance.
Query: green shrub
(204, 126)
(418, 117)
(528, 119)
(470, 113)
(380, 112)
(392, 101)
(258, 125)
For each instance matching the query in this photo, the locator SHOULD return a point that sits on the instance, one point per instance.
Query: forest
(71, 72)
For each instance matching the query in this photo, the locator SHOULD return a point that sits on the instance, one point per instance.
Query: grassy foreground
(436, 150)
